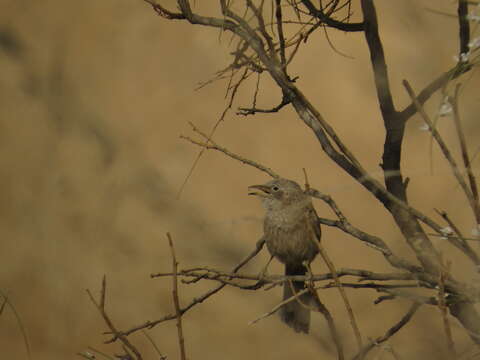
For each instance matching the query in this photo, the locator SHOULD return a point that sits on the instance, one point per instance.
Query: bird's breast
(290, 240)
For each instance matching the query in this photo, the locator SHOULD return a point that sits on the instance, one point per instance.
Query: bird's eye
(275, 188)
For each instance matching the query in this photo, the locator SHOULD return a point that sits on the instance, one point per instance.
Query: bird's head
(278, 193)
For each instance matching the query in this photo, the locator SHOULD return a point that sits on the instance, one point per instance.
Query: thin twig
(465, 156)
(257, 88)
(2, 307)
(444, 274)
(438, 83)
(389, 333)
(251, 111)
(87, 356)
(442, 145)
(371, 285)
(459, 241)
(147, 335)
(6, 301)
(394, 293)
(295, 296)
(210, 144)
(343, 294)
(371, 240)
(100, 307)
(176, 302)
(160, 10)
(330, 322)
(150, 324)
(462, 238)
(261, 24)
(212, 132)
(281, 38)
(106, 356)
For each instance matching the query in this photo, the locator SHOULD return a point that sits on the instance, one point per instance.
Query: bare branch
(465, 156)
(253, 110)
(295, 297)
(101, 308)
(466, 313)
(371, 240)
(464, 27)
(211, 145)
(281, 37)
(390, 332)
(432, 88)
(160, 10)
(446, 152)
(408, 224)
(161, 356)
(261, 25)
(212, 132)
(348, 27)
(258, 49)
(443, 309)
(459, 242)
(176, 302)
(6, 301)
(150, 324)
(343, 294)
(331, 324)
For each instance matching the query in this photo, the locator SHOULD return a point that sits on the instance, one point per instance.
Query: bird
(291, 233)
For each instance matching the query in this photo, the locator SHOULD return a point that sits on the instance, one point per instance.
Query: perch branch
(214, 274)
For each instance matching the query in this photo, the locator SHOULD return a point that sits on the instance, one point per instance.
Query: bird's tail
(296, 313)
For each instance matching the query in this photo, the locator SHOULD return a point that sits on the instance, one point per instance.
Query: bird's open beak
(259, 190)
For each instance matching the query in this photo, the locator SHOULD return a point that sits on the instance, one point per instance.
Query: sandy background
(93, 98)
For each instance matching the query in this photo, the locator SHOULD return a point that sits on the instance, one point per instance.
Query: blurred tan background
(93, 98)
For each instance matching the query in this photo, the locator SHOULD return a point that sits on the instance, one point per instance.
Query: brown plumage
(291, 231)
